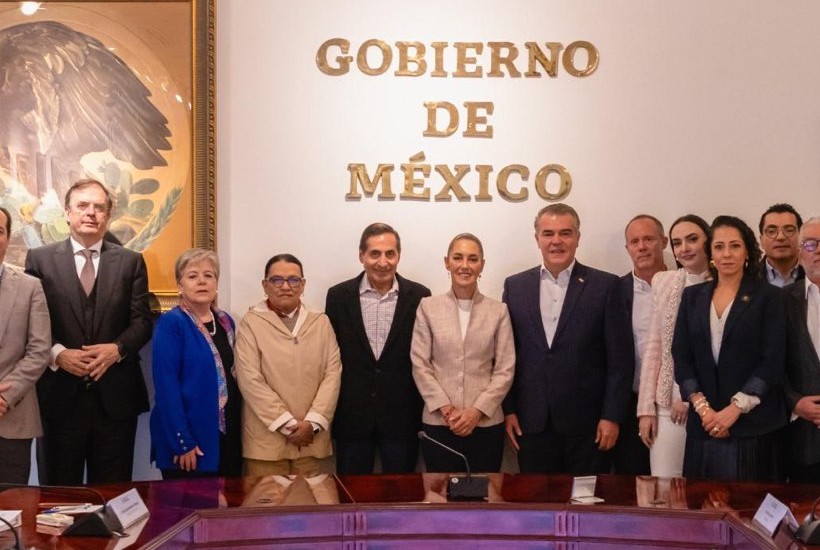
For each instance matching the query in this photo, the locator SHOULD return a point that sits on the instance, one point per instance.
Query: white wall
(697, 106)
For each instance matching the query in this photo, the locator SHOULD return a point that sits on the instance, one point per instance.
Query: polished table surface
(171, 502)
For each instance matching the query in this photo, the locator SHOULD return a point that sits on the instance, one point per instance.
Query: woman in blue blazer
(195, 423)
(729, 353)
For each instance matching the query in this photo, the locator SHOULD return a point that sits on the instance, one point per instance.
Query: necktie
(87, 274)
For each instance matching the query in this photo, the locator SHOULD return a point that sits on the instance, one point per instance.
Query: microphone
(461, 487)
(423, 435)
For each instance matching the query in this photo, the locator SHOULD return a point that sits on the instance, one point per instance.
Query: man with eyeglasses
(97, 295)
(803, 362)
(373, 314)
(778, 227)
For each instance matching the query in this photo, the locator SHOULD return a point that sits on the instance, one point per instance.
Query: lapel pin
(580, 279)
(745, 298)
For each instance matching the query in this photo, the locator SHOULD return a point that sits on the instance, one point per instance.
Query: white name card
(127, 509)
(583, 490)
(771, 512)
(14, 517)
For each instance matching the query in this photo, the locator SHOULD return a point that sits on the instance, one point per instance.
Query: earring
(711, 263)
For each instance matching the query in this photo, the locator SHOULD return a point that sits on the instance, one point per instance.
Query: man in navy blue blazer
(645, 243)
(574, 355)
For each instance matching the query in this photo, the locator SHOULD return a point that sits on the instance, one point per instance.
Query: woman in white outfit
(661, 412)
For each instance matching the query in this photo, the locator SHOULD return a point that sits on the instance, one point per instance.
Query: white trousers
(666, 454)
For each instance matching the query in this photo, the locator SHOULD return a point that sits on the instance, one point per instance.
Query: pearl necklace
(212, 332)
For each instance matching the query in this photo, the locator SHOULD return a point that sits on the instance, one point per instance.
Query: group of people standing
(726, 362)
(669, 372)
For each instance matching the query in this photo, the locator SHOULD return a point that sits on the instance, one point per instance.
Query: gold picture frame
(157, 59)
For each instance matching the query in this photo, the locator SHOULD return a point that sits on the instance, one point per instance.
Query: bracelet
(703, 403)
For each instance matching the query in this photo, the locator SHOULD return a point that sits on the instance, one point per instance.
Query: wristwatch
(121, 350)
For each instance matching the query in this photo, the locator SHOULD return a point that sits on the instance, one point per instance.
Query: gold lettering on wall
(374, 58)
(455, 182)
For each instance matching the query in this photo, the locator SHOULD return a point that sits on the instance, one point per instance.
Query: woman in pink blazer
(662, 413)
(463, 363)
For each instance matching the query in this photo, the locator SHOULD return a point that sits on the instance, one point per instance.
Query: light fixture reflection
(29, 8)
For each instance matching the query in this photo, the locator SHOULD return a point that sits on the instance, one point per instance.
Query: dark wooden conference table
(412, 511)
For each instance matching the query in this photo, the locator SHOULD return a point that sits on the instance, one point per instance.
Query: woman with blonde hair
(195, 423)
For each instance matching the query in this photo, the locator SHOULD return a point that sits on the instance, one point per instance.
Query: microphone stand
(460, 487)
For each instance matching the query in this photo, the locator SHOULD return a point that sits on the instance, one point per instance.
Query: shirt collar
(76, 247)
(365, 287)
(809, 286)
(563, 276)
(639, 284)
(775, 274)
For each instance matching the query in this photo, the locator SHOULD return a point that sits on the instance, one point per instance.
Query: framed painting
(120, 91)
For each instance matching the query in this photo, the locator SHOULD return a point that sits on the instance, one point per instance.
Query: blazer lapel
(800, 306)
(739, 306)
(64, 263)
(355, 314)
(8, 290)
(401, 313)
(628, 283)
(703, 312)
(109, 267)
(577, 280)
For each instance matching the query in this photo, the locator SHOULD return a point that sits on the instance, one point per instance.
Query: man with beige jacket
(25, 351)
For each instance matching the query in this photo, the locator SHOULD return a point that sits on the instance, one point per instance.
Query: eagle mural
(63, 95)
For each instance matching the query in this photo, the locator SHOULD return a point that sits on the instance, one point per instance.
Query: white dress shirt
(641, 315)
(813, 313)
(551, 298)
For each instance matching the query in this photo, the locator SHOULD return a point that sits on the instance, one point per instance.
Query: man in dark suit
(645, 242)
(574, 355)
(778, 227)
(373, 314)
(97, 294)
(803, 364)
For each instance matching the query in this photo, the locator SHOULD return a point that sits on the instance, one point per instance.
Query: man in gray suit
(25, 339)
(803, 364)
(92, 393)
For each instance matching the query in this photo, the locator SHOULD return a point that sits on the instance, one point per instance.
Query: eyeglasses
(809, 245)
(772, 231)
(278, 281)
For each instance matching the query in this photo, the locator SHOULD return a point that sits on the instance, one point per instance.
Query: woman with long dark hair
(729, 352)
(661, 410)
